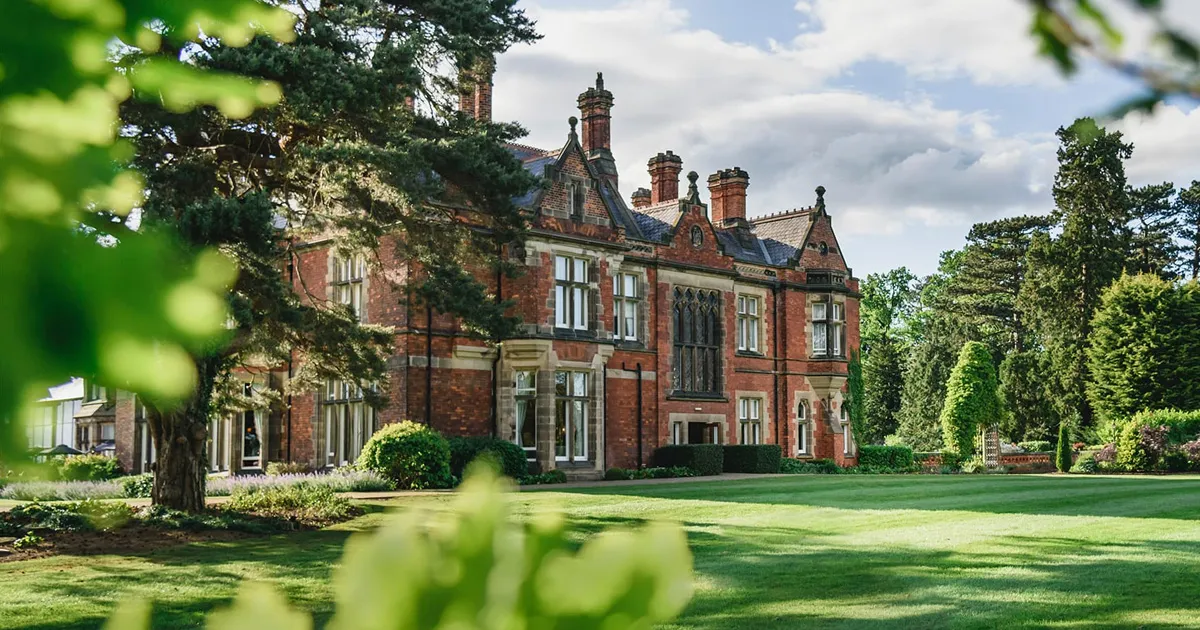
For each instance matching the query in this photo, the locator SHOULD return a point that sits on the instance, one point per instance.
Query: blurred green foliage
(127, 308)
(471, 568)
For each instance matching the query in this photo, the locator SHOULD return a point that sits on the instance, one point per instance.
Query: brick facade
(789, 265)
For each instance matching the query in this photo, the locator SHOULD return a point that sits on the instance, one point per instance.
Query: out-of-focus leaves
(126, 311)
(472, 568)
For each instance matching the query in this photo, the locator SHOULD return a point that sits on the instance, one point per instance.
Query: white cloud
(1164, 146)
(891, 166)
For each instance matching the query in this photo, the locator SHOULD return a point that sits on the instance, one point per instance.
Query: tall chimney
(475, 90)
(641, 198)
(595, 109)
(664, 176)
(728, 191)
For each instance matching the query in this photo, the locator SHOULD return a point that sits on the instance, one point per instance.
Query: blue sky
(920, 117)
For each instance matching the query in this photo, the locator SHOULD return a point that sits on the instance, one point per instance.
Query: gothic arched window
(696, 368)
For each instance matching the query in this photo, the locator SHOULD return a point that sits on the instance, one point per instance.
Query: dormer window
(576, 198)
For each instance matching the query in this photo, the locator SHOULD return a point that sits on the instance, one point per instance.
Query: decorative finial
(599, 81)
(821, 198)
(693, 191)
(573, 121)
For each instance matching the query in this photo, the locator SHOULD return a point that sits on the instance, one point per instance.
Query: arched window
(802, 428)
(697, 359)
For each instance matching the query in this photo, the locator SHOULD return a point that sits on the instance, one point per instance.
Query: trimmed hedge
(809, 467)
(625, 474)
(705, 459)
(753, 458)
(511, 458)
(87, 468)
(411, 454)
(1036, 446)
(890, 457)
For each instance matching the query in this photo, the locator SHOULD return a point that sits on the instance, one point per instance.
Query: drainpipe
(292, 283)
(429, 365)
(496, 363)
(604, 405)
(775, 373)
(641, 460)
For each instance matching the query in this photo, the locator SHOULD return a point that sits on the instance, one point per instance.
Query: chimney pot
(641, 198)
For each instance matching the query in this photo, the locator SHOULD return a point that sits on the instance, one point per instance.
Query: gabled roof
(783, 234)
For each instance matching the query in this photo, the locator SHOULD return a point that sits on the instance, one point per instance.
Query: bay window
(570, 415)
(348, 422)
(828, 329)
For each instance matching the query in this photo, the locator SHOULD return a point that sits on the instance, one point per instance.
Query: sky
(919, 117)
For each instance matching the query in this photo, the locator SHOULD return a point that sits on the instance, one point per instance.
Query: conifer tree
(365, 143)
(1068, 272)
(887, 303)
(1027, 401)
(1154, 225)
(1063, 451)
(1188, 206)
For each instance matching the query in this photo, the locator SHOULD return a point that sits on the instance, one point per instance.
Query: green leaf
(259, 607)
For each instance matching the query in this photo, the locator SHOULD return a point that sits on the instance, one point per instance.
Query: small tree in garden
(1063, 459)
(971, 400)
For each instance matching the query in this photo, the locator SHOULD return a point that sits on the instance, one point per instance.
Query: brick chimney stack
(641, 198)
(664, 176)
(595, 110)
(728, 191)
(475, 90)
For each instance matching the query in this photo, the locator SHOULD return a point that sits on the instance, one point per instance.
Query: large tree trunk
(181, 440)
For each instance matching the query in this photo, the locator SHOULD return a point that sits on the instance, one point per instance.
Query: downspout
(429, 365)
(639, 415)
(496, 363)
(292, 283)
(604, 405)
(775, 373)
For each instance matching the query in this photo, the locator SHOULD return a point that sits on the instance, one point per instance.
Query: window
(349, 422)
(525, 387)
(570, 416)
(108, 432)
(218, 444)
(750, 421)
(570, 293)
(696, 365)
(802, 427)
(847, 439)
(348, 274)
(829, 329)
(96, 392)
(576, 199)
(747, 323)
(625, 306)
(677, 433)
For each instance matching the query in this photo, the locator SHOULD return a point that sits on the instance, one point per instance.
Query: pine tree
(971, 401)
(888, 302)
(1188, 206)
(883, 384)
(1068, 273)
(365, 144)
(1028, 405)
(983, 292)
(928, 368)
(1154, 225)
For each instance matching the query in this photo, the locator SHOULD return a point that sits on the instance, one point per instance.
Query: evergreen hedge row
(892, 457)
(753, 458)
(705, 459)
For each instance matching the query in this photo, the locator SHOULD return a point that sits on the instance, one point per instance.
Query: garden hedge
(411, 454)
(753, 458)
(892, 457)
(1143, 447)
(512, 458)
(705, 459)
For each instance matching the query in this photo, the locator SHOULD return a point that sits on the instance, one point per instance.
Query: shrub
(893, 458)
(809, 467)
(1147, 436)
(973, 465)
(548, 477)
(752, 458)
(511, 458)
(411, 454)
(138, 486)
(341, 480)
(1106, 455)
(288, 468)
(971, 400)
(1085, 465)
(88, 468)
(705, 459)
(1063, 458)
(1036, 446)
(617, 474)
(304, 502)
(28, 541)
(86, 515)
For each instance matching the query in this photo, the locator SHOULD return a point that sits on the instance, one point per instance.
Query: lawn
(804, 551)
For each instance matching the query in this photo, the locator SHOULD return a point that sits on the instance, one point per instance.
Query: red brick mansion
(651, 318)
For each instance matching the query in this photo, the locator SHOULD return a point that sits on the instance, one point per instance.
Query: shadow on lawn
(1138, 497)
(755, 577)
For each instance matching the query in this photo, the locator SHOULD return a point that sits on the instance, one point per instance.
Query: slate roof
(782, 235)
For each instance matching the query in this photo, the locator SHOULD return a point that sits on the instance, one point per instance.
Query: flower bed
(133, 487)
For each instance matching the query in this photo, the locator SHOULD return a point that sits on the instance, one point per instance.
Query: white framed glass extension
(571, 416)
(525, 393)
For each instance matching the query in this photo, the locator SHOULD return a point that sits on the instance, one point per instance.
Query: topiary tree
(971, 400)
(411, 454)
(1064, 455)
(510, 458)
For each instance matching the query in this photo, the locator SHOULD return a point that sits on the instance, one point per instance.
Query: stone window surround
(803, 427)
(767, 436)
(809, 327)
(591, 293)
(719, 419)
(760, 292)
(643, 299)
